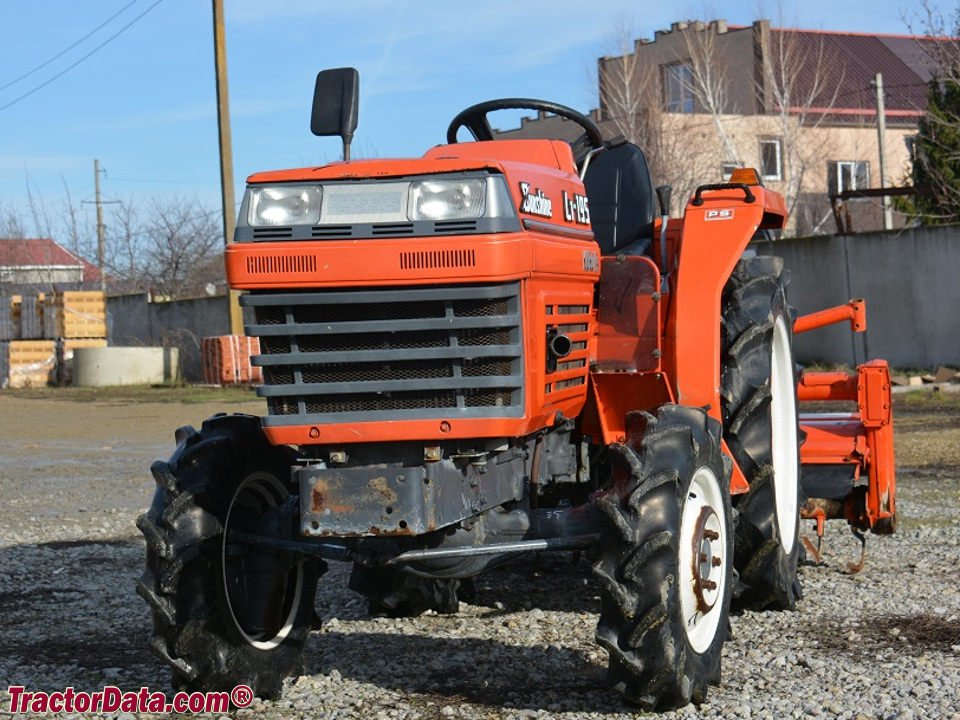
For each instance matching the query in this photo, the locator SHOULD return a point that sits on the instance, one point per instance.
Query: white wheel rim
(271, 492)
(783, 431)
(703, 559)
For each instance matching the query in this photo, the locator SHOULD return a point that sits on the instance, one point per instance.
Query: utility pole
(101, 254)
(226, 152)
(882, 142)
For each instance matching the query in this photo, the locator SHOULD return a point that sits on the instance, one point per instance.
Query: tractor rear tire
(224, 613)
(665, 563)
(759, 409)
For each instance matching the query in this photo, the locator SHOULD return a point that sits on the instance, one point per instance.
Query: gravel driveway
(884, 643)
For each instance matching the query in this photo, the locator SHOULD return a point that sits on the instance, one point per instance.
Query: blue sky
(144, 103)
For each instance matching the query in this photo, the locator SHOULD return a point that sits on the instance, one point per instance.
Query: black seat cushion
(621, 198)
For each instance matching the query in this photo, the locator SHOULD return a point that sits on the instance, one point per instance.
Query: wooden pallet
(29, 363)
(78, 314)
(31, 317)
(9, 320)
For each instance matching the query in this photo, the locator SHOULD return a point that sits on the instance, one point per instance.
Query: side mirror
(336, 99)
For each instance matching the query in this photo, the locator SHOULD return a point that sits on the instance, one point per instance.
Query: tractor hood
(452, 190)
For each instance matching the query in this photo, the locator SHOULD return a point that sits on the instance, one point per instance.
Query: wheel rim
(703, 559)
(258, 493)
(783, 431)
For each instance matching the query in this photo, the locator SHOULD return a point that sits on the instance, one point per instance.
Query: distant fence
(909, 278)
(182, 324)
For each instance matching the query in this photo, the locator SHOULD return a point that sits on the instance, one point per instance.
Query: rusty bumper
(404, 501)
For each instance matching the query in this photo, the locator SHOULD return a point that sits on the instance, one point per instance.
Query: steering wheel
(474, 118)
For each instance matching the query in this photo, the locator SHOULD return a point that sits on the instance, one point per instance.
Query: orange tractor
(501, 347)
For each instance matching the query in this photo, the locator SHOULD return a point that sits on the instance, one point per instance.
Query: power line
(65, 51)
(71, 67)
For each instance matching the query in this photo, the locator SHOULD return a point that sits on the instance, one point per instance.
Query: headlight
(284, 205)
(373, 201)
(446, 199)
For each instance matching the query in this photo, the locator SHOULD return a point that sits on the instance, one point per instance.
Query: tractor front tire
(665, 563)
(225, 613)
(759, 409)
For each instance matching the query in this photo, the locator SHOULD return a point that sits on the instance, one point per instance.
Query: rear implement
(848, 456)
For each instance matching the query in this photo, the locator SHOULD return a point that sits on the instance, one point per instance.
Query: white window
(678, 88)
(845, 175)
(771, 159)
(727, 168)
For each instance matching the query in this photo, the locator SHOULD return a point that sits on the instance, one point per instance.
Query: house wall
(691, 152)
(909, 280)
(732, 50)
(698, 155)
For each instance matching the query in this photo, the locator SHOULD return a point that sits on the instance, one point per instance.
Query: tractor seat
(621, 199)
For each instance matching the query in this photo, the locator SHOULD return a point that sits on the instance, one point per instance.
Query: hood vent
(331, 231)
(437, 259)
(454, 227)
(273, 233)
(282, 265)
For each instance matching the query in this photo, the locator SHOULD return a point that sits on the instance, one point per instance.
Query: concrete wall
(134, 321)
(910, 280)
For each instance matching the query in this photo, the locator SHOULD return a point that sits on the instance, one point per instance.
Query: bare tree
(183, 247)
(936, 150)
(791, 88)
(77, 233)
(633, 102)
(708, 80)
(41, 263)
(626, 87)
(125, 255)
(42, 221)
(12, 224)
(937, 39)
(799, 84)
(176, 251)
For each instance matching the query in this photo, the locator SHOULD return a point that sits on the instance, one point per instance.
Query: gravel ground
(884, 643)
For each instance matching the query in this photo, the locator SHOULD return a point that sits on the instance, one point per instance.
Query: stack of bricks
(76, 319)
(226, 360)
(38, 334)
(10, 318)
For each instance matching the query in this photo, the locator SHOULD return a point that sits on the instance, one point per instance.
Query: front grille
(371, 372)
(376, 403)
(389, 354)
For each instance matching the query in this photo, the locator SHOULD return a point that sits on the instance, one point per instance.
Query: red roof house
(43, 264)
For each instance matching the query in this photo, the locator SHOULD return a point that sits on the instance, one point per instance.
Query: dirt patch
(909, 635)
(68, 460)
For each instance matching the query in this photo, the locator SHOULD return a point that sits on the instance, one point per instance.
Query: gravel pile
(877, 645)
